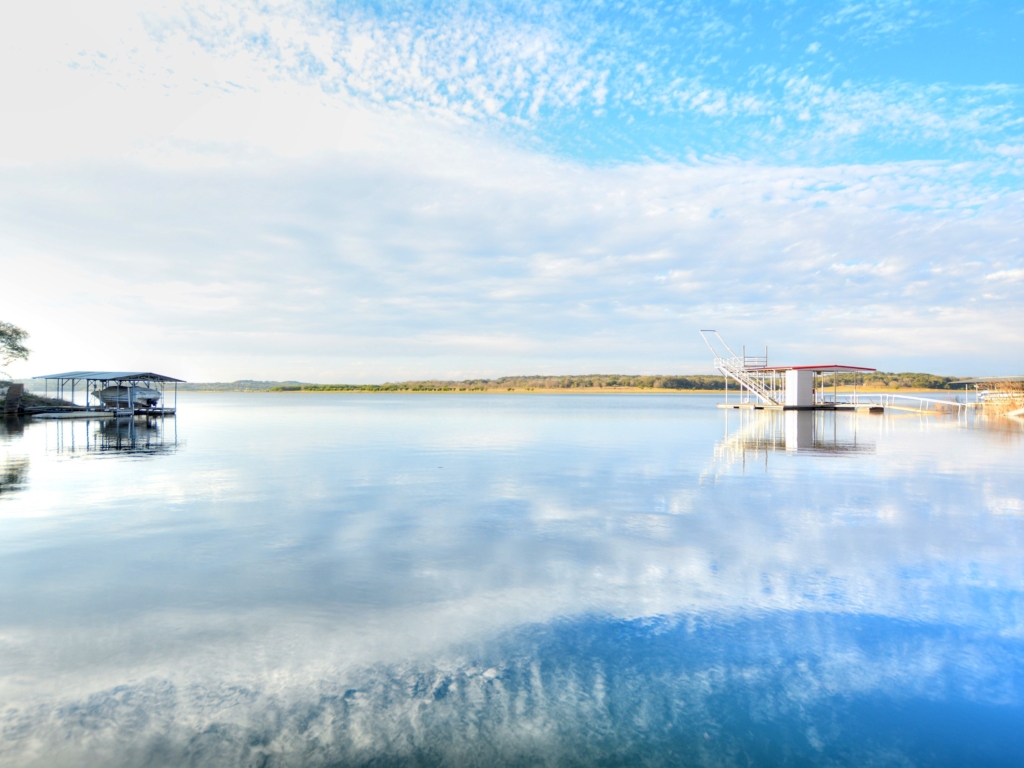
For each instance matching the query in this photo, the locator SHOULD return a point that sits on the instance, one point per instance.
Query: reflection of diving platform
(804, 431)
(785, 387)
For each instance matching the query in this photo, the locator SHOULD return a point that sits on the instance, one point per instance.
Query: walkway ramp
(13, 402)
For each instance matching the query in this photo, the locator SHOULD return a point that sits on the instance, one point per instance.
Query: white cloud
(302, 268)
(875, 19)
(1007, 275)
(201, 175)
(522, 72)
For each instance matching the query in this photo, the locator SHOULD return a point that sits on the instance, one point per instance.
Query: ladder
(745, 371)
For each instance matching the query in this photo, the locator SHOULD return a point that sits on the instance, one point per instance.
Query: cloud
(880, 269)
(872, 20)
(1007, 275)
(339, 194)
(581, 82)
(314, 264)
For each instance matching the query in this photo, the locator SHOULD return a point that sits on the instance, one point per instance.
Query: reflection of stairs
(735, 369)
(13, 402)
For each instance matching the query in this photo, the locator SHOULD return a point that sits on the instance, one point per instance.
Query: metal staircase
(746, 371)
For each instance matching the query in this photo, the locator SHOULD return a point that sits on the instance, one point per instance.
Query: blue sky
(764, 81)
(374, 191)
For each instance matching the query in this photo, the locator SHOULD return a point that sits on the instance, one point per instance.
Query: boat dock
(760, 386)
(106, 395)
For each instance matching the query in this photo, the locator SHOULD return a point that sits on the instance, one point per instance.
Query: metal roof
(111, 376)
(828, 368)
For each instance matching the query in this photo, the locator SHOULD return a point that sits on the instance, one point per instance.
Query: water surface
(351, 579)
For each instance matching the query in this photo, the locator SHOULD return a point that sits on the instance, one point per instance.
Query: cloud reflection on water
(776, 689)
(329, 582)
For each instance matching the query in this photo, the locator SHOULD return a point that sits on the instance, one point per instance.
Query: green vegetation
(11, 346)
(900, 380)
(11, 349)
(242, 385)
(592, 382)
(511, 383)
(603, 381)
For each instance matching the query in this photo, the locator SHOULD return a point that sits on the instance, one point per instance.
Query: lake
(487, 580)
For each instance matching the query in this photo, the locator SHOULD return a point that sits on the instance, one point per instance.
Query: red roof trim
(828, 367)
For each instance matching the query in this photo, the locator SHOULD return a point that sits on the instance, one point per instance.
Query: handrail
(889, 399)
(733, 367)
(736, 367)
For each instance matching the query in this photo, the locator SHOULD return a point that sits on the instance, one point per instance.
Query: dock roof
(112, 376)
(826, 368)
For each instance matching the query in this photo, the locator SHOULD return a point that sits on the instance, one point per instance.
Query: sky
(380, 191)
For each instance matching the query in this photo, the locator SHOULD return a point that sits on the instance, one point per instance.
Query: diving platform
(758, 385)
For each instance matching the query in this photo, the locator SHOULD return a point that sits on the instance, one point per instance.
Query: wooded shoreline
(881, 381)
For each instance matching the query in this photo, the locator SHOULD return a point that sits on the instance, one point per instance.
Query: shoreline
(552, 391)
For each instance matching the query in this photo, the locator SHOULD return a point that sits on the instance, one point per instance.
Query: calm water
(331, 580)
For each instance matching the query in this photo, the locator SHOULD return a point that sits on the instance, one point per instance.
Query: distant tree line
(587, 382)
(900, 380)
(594, 381)
(604, 381)
(242, 385)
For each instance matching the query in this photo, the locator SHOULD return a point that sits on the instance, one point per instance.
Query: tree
(11, 347)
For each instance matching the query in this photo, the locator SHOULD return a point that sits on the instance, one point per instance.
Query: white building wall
(800, 389)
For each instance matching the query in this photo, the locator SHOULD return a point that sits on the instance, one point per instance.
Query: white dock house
(758, 385)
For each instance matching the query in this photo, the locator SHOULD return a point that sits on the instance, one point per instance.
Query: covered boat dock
(124, 388)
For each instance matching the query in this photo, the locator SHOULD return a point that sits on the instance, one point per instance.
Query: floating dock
(862, 407)
(98, 414)
(759, 385)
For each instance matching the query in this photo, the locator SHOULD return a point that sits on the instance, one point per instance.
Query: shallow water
(348, 579)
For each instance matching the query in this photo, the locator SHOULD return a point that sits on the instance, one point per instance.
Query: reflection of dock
(13, 468)
(751, 433)
(107, 434)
